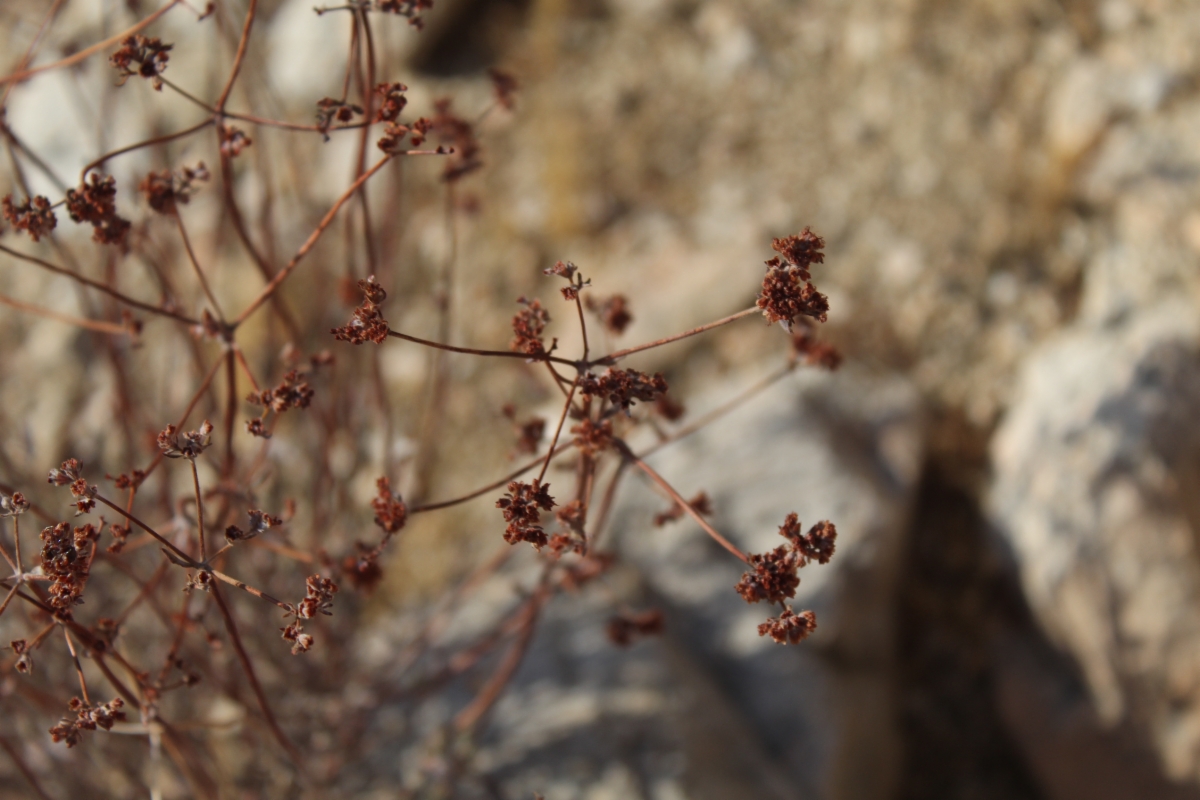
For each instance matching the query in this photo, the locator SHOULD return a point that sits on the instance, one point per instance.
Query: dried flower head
(174, 444)
(627, 625)
(787, 293)
(330, 109)
(622, 387)
(363, 570)
(259, 521)
(593, 437)
(406, 8)
(459, 134)
(528, 326)
(292, 392)
(301, 642)
(520, 506)
(394, 134)
(668, 408)
(318, 598)
(64, 563)
(34, 216)
(613, 312)
(24, 663)
(141, 55)
(13, 505)
(165, 190)
(789, 627)
(95, 204)
(772, 577)
(368, 324)
(816, 545)
(390, 511)
(392, 101)
(816, 353)
(233, 140)
(87, 718)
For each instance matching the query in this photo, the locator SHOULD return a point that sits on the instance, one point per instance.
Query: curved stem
(612, 358)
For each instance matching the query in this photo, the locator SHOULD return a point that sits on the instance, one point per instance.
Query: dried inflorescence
(459, 134)
(789, 627)
(787, 291)
(165, 190)
(87, 718)
(613, 312)
(318, 599)
(392, 101)
(701, 504)
(24, 663)
(622, 387)
(70, 473)
(96, 204)
(331, 109)
(391, 513)
(394, 134)
(406, 8)
(35, 216)
(66, 560)
(292, 392)
(593, 437)
(368, 324)
(259, 521)
(529, 432)
(816, 545)
(815, 353)
(13, 505)
(233, 140)
(189, 444)
(628, 625)
(142, 55)
(520, 506)
(528, 326)
(574, 279)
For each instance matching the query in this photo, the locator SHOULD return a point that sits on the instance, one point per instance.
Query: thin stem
(477, 352)
(148, 143)
(678, 498)
(78, 667)
(582, 325)
(612, 358)
(288, 607)
(241, 359)
(491, 486)
(187, 244)
(179, 553)
(199, 510)
(722, 409)
(89, 51)
(248, 668)
(99, 326)
(243, 42)
(37, 38)
(309, 243)
(24, 769)
(557, 432)
(8, 599)
(113, 293)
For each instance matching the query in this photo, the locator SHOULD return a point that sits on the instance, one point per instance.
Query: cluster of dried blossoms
(169, 547)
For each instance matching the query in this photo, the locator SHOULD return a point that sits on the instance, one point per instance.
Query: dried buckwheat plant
(145, 619)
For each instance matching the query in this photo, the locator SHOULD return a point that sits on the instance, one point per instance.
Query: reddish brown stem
(612, 358)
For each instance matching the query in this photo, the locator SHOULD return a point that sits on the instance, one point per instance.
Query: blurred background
(1009, 194)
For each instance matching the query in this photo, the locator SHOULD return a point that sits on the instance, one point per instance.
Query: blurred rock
(1096, 473)
(847, 448)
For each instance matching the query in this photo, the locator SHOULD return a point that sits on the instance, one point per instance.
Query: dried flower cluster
(66, 558)
(787, 290)
(368, 324)
(87, 718)
(35, 216)
(142, 55)
(528, 327)
(189, 444)
(164, 190)
(520, 506)
(96, 204)
(622, 387)
(773, 577)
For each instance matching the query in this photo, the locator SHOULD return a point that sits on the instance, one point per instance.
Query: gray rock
(1095, 483)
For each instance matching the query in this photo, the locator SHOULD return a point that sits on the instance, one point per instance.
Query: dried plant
(146, 602)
